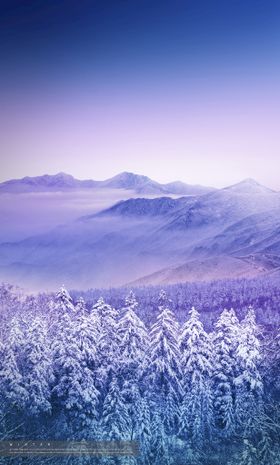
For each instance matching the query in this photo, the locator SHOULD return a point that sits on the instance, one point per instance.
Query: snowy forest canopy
(192, 381)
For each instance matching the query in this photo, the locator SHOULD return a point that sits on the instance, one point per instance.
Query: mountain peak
(131, 181)
(45, 178)
(60, 180)
(249, 186)
(250, 182)
(62, 175)
(127, 177)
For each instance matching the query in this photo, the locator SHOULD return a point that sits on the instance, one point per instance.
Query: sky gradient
(172, 89)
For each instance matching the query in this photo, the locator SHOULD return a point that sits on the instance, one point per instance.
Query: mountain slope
(219, 267)
(226, 206)
(231, 232)
(138, 207)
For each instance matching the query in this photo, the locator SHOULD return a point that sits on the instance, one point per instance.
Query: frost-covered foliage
(197, 366)
(209, 298)
(191, 392)
(225, 367)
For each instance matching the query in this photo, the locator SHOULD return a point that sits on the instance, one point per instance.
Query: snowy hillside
(146, 207)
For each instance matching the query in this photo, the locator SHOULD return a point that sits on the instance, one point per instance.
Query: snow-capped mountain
(129, 181)
(135, 182)
(180, 188)
(225, 206)
(57, 182)
(144, 185)
(249, 186)
(229, 232)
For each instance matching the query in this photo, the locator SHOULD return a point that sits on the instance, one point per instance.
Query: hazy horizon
(162, 181)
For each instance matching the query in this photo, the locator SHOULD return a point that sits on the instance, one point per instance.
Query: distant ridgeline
(71, 369)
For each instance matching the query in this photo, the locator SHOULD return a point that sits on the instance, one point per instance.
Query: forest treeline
(75, 370)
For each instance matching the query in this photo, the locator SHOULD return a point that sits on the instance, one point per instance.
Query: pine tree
(105, 318)
(16, 335)
(9, 305)
(95, 315)
(37, 371)
(164, 371)
(248, 454)
(249, 386)
(144, 431)
(86, 337)
(225, 345)
(196, 412)
(132, 333)
(63, 301)
(160, 449)
(11, 367)
(12, 389)
(74, 388)
(80, 306)
(133, 344)
(115, 418)
(266, 449)
(12, 396)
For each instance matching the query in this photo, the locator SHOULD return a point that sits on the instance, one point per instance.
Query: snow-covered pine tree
(133, 335)
(144, 431)
(12, 390)
(266, 449)
(75, 393)
(249, 385)
(133, 344)
(80, 306)
(196, 419)
(115, 417)
(10, 304)
(16, 335)
(12, 396)
(86, 337)
(13, 358)
(248, 455)
(160, 447)
(37, 368)
(105, 319)
(192, 455)
(225, 345)
(163, 375)
(95, 314)
(273, 360)
(63, 301)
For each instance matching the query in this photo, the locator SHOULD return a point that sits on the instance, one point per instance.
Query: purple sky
(214, 133)
(189, 93)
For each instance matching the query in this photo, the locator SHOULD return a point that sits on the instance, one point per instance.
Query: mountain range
(223, 233)
(64, 182)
